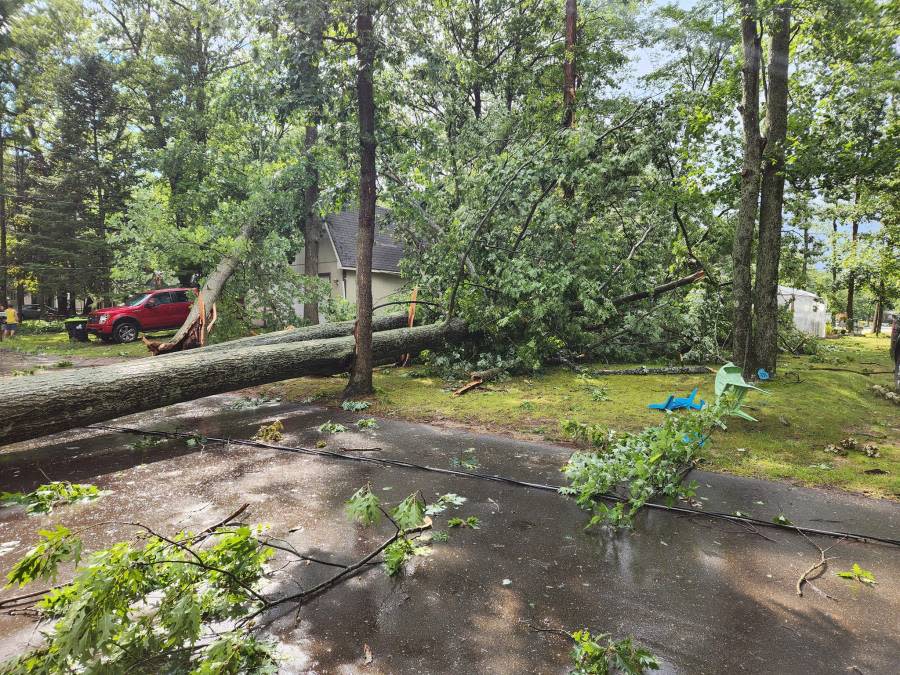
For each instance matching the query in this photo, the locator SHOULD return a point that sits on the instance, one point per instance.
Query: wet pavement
(704, 596)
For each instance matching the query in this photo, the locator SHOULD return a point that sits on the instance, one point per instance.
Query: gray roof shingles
(386, 252)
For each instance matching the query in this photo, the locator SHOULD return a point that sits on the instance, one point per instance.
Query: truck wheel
(127, 331)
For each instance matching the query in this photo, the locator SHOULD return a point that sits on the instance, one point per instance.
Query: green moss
(805, 411)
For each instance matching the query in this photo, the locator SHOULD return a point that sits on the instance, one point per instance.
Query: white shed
(809, 310)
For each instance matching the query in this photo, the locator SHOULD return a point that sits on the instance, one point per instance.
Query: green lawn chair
(730, 377)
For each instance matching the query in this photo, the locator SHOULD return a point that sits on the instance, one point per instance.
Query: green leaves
(396, 554)
(56, 493)
(270, 433)
(410, 512)
(367, 423)
(364, 507)
(355, 406)
(472, 522)
(649, 463)
(859, 574)
(601, 655)
(41, 562)
(102, 618)
(332, 428)
(440, 505)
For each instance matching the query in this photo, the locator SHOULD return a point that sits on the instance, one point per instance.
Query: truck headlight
(103, 319)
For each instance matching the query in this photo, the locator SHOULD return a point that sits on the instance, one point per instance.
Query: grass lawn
(58, 344)
(805, 411)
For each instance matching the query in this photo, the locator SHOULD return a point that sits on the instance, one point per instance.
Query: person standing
(12, 322)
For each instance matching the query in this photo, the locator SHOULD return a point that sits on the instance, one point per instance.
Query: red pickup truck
(149, 311)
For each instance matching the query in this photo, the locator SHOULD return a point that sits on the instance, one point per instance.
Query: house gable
(342, 229)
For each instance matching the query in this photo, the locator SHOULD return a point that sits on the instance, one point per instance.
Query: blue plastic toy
(762, 374)
(680, 403)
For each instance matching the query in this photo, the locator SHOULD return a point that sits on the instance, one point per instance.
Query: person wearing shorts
(12, 322)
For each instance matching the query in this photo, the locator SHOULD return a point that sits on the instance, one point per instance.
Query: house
(337, 257)
(809, 310)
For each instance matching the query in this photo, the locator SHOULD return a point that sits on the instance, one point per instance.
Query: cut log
(86, 396)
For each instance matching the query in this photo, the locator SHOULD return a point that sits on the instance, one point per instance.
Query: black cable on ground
(319, 452)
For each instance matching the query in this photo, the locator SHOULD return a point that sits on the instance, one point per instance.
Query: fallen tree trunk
(323, 331)
(661, 370)
(84, 396)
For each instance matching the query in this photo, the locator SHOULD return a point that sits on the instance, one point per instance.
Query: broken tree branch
(340, 577)
(822, 564)
(659, 290)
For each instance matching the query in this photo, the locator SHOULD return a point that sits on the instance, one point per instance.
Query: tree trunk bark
(851, 278)
(569, 81)
(3, 257)
(879, 308)
(742, 248)
(323, 331)
(765, 343)
(895, 351)
(361, 374)
(79, 397)
(312, 225)
(210, 293)
(569, 65)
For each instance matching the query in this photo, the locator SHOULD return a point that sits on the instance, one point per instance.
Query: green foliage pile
(648, 463)
(330, 427)
(601, 655)
(41, 327)
(270, 433)
(47, 496)
(164, 606)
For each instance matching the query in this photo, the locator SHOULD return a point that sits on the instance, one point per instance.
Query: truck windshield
(135, 300)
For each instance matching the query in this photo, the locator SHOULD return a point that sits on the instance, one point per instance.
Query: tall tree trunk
(807, 254)
(851, 278)
(765, 344)
(101, 226)
(742, 247)
(312, 224)
(3, 257)
(361, 374)
(569, 80)
(569, 64)
(834, 268)
(895, 351)
(476, 47)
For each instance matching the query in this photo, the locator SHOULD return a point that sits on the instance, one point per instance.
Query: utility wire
(499, 479)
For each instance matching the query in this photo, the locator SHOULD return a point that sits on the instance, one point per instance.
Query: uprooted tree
(81, 397)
